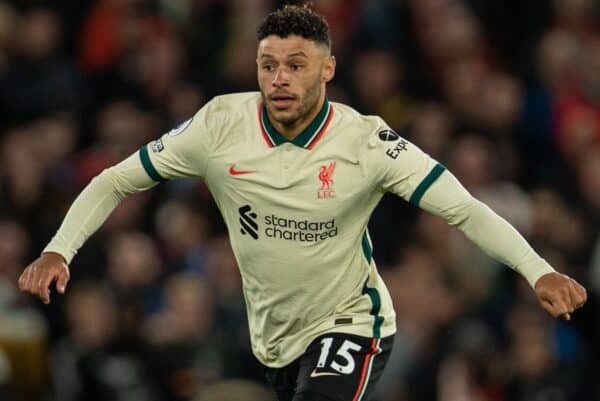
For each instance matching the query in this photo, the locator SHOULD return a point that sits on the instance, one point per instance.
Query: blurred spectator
(134, 269)
(377, 78)
(557, 50)
(14, 250)
(415, 284)
(91, 363)
(534, 371)
(471, 368)
(555, 226)
(185, 354)
(157, 64)
(122, 127)
(112, 28)
(23, 331)
(183, 229)
(235, 390)
(222, 271)
(183, 101)
(240, 50)
(39, 79)
(576, 15)
(577, 109)
(5, 377)
(8, 22)
(23, 181)
(501, 103)
(432, 129)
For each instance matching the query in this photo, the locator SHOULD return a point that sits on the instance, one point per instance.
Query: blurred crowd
(506, 93)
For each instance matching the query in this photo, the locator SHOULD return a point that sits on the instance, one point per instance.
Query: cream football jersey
(297, 213)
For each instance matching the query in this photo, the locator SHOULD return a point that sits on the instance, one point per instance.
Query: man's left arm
(398, 166)
(557, 293)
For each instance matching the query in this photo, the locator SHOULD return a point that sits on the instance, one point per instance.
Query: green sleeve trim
(426, 183)
(145, 158)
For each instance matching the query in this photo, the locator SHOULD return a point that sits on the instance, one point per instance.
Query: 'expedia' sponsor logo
(388, 135)
(395, 151)
(299, 230)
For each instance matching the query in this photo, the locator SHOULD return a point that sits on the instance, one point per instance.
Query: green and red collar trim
(307, 138)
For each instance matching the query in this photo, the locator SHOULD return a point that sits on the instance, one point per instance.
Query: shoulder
(360, 127)
(234, 103)
(373, 139)
(225, 118)
(223, 110)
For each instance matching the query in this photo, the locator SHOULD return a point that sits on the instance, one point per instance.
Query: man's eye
(297, 67)
(269, 68)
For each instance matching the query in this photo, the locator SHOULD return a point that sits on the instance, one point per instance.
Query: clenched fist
(42, 272)
(559, 294)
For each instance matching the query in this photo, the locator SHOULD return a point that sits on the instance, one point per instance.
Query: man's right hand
(42, 272)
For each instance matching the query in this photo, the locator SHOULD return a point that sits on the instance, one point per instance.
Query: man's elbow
(110, 181)
(460, 214)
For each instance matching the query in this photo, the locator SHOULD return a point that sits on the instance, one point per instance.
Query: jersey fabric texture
(297, 213)
(335, 366)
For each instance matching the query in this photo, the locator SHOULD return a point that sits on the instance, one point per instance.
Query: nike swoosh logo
(315, 374)
(233, 171)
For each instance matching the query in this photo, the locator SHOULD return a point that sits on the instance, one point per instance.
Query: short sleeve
(185, 150)
(398, 166)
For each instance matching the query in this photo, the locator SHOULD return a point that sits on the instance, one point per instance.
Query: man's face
(292, 73)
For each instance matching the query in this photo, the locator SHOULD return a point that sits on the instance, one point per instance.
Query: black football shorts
(335, 367)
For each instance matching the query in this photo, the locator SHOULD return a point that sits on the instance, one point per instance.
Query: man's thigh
(341, 367)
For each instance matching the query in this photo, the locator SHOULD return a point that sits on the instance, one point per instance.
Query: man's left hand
(559, 294)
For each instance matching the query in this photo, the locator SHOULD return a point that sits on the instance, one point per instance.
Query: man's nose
(280, 78)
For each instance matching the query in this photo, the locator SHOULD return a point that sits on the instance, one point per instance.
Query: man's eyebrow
(301, 54)
(297, 54)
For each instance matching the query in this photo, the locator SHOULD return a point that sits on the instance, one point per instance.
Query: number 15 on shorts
(338, 361)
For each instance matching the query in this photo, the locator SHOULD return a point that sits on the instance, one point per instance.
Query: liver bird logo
(325, 173)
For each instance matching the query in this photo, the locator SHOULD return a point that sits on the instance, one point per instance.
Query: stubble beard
(306, 104)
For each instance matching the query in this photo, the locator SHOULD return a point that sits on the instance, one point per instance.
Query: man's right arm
(87, 213)
(182, 152)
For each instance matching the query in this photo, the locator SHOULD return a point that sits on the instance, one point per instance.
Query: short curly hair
(296, 20)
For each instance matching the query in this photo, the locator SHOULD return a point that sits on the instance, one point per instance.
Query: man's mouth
(282, 101)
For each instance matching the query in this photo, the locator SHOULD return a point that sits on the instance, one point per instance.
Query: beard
(306, 103)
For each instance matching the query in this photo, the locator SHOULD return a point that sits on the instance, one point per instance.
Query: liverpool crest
(325, 174)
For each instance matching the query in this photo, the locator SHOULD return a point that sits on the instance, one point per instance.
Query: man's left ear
(329, 69)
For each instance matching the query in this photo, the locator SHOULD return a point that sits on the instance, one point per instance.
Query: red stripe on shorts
(365, 368)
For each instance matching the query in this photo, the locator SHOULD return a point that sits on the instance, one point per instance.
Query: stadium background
(505, 93)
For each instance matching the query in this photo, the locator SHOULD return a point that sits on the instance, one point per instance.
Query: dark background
(504, 93)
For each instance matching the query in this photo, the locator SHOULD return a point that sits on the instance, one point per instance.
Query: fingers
(27, 280)
(579, 294)
(561, 309)
(37, 278)
(560, 296)
(556, 309)
(23, 279)
(61, 283)
(43, 286)
(38, 281)
(547, 306)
